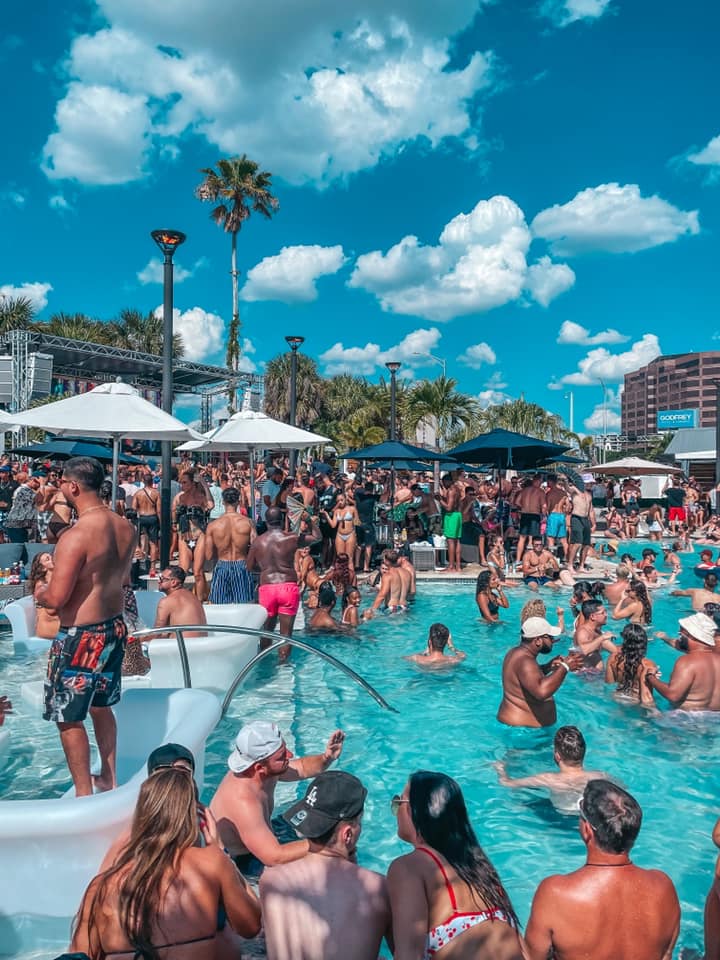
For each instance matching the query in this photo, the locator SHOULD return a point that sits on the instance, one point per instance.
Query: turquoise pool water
(446, 721)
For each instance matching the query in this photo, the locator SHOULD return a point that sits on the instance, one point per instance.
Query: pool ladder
(275, 643)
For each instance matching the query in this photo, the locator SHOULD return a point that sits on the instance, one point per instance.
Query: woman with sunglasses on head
(627, 666)
(634, 605)
(166, 896)
(446, 897)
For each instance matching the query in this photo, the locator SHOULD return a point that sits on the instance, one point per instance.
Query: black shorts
(149, 524)
(580, 530)
(530, 524)
(366, 535)
(84, 669)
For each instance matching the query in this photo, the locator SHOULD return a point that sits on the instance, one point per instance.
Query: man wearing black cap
(324, 905)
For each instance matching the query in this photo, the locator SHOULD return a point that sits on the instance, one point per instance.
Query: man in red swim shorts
(273, 554)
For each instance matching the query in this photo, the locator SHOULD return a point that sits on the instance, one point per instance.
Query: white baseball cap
(255, 741)
(539, 627)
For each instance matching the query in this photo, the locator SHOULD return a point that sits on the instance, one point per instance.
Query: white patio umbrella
(634, 467)
(250, 430)
(111, 411)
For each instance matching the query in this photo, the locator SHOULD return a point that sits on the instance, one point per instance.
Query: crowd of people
(182, 882)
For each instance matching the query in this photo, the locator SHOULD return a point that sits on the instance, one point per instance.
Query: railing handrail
(275, 643)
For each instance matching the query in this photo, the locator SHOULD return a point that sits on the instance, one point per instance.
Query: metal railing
(275, 643)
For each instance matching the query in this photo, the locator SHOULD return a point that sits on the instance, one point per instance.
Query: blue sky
(527, 189)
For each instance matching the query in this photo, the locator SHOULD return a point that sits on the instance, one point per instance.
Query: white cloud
(58, 202)
(547, 280)
(153, 271)
(491, 397)
(364, 361)
(14, 197)
(341, 86)
(564, 12)
(496, 381)
(600, 364)
(36, 293)
(291, 275)
(203, 332)
(573, 333)
(709, 156)
(479, 263)
(478, 354)
(614, 219)
(602, 419)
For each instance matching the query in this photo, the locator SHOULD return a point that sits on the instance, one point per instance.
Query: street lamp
(569, 396)
(168, 241)
(393, 366)
(294, 343)
(604, 421)
(431, 356)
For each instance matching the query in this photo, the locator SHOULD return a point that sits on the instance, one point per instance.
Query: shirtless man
(695, 680)
(566, 784)
(273, 554)
(700, 595)
(615, 591)
(528, 687)
(227, 543)
(450, 496)
(558, 505)
(189, 508)
(322, 618)
(537, 564)
(146, 503)
(426, 505)
(531, 504)
(590, 638)
(434, 655)
(178, 606)
(582, 525)
(92, 560)
(393, 586)
(325, 905)
(407, 572)
(626, 913)
(244, 802)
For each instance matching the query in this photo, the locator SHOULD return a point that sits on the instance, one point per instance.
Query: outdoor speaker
(6, 379)
(40, 367)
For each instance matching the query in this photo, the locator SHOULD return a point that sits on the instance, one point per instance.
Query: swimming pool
(446, 721)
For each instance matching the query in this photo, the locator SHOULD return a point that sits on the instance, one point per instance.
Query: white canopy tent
(111, 411)
(248, 431)
(634, 467)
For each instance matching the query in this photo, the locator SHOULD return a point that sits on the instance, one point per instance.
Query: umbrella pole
(116, 455)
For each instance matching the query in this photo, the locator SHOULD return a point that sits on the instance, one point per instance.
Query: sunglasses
(395, 804)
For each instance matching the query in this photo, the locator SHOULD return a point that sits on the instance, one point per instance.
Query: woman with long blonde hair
(164, 895)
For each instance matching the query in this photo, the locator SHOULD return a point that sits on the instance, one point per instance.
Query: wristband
(563, 664)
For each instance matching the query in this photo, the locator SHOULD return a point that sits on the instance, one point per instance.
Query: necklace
(628, 864)
(100, 506)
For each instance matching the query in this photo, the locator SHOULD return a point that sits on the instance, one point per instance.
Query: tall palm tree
(438, 400)
(16, 313)
(309, 392)
(353, 434)
(134, 330)
(344, 396)
(524, 417)
(78, 326)
(241, 190)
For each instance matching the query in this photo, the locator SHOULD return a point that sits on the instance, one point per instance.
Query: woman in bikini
(61, 515)
(635, 606)
(344, 520)
(489, 596)
(351, 607)
(161, 897)
(446, 897)
(628, 666)
(47, 623)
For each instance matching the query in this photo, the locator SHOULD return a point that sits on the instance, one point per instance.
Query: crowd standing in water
(183, 880)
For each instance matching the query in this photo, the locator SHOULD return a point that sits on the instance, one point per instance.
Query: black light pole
(393, 366)
(294, 343)
(168, 241)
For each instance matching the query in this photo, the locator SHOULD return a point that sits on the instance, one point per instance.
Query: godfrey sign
(676, 419)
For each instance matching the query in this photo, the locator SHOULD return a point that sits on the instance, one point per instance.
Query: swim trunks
(556, 526)
(529, 525)
(84, 669)
(580, 530)
(149, 524)
(231, 583)
(535, 578)
(280, 598)
(677, 513)
(366, 535)
(452, 525)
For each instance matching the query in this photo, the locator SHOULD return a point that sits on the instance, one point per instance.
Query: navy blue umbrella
(394, 450)
(507, 450)
(63, 448)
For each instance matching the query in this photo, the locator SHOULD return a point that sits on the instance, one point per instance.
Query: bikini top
(457, 923)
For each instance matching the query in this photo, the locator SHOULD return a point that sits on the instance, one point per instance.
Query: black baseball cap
(167, 755)
(331, 797)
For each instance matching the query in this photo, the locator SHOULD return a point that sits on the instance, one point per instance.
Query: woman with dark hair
(446, 889)
(163, 894)
(634, 605)
(489, 596)
(47, 622)
(627, 666)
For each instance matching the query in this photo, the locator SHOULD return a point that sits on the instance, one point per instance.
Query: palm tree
(309, 392)
(438, 400)
(353, 434)
(16, 313)
(344, 396)
(241, 189)
(523, 417)
(143, 333)
(78, 326)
